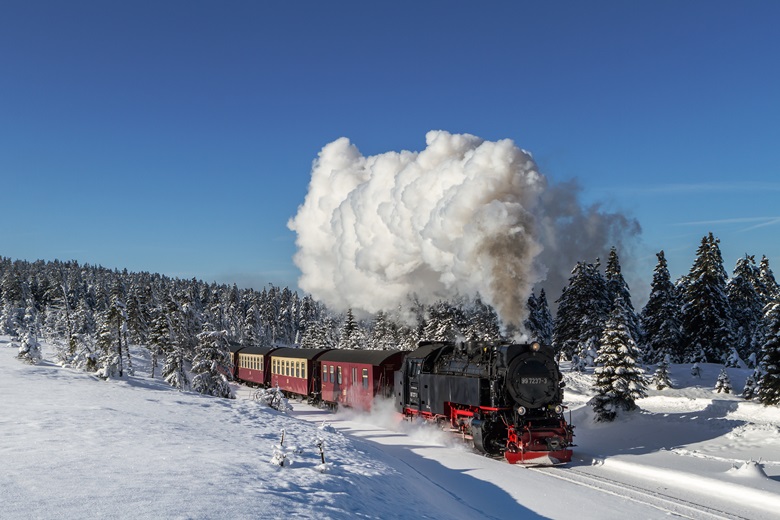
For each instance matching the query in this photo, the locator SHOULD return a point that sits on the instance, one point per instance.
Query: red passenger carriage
(292, 371)
(354, 377)
(253, 365)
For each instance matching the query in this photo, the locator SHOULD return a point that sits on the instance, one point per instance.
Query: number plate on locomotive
(533, 380)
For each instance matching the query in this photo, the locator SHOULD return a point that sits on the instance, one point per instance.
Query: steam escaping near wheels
(465, 216)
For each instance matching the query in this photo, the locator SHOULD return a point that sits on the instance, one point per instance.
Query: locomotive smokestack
(461, 217)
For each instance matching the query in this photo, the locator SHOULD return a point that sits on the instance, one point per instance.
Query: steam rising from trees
(462, 217)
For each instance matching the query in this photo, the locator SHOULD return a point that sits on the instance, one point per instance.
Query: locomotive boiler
(508, 398)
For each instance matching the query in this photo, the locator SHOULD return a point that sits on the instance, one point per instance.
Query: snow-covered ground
(74, 446)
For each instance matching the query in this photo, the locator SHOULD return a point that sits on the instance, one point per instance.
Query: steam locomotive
(506, 397)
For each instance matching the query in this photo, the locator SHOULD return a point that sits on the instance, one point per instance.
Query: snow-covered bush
(274, 398)
(30, 349)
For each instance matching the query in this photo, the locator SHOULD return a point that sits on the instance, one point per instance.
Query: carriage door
(413, 383)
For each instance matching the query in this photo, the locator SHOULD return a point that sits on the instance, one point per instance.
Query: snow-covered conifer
(617, 287)
(582, 311)
(212, 366)
(769, 385)
(746, 304)
(619, 378)
(660, 318)
(768, 288)
(540, 322)
(723, 384)
(30, 348)
(661, 378)
(751, 385)
(734, 360)
(706, 314)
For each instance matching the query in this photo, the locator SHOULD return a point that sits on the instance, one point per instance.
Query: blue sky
(178, 136)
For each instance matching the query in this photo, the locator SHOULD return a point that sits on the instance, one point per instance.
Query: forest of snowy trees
(94, 314)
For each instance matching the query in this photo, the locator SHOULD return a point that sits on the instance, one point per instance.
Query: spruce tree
(661, 377)
(769, 384)
(723, 384)
(660, 318)
(582, 311)
(769, 288)
(482, 323)
(540, 322)
(212, 366)
(30, 349)
(617, 287)
(619, 379)
(746, 305)
(706, 314)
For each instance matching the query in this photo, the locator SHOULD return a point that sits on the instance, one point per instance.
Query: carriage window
(354, 376)
(365, 378)
(297, 369)
(303, 370)
(332, 379)
(339, 375)
(287, 367)
(260, 363)
(324, 373)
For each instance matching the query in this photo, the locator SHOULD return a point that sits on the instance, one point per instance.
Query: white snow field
(74, 446)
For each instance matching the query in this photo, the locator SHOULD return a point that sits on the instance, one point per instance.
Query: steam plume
(461, 217)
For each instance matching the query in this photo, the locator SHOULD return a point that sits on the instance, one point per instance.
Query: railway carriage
(235, 348)
(355, 377)
(253, 365)
(292, 370)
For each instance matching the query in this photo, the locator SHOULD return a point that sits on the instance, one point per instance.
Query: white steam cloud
(462, 217)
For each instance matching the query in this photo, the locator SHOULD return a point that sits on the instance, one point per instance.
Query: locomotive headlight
(535, 347)
(521, 410)
(558, 409)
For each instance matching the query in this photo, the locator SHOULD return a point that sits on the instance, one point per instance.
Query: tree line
(93, 314)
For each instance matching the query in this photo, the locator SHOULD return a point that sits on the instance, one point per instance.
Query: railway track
(666, 503)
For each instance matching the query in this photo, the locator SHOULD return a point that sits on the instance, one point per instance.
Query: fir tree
(30, 349)
(661, 377)
(746, 304)
(768, 288)
(619, 379)
(352, 336)
(769, 384)
(706, 314)
(212, 366)
(723, 384)
(660, 319)
(582, 311)
(617, 287)
(174, 372)
(540, 322)
(751, 386)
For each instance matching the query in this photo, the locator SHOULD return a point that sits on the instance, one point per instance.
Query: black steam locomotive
(506, 397)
